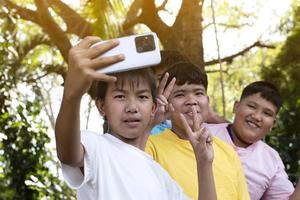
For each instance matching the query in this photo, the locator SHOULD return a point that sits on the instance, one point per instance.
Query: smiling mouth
(252, 124)
(190, 114)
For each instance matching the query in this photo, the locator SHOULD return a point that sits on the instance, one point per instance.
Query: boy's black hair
(266, 90)
(168, 58)
(134, 78)
(186, 72)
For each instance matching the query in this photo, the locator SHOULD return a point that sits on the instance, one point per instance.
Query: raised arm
(214, 118)
(201, 141)
(83, 63)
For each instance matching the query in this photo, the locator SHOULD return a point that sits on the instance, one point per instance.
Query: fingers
(186, 126)
(196, 119)
(171, 108)
(88, 41)
(204, 136)
(162, 84)
(101, 62)
(209, 139)
(160, 102)
(163, 99)
(100, 48)
(169, 88)
(101, 77)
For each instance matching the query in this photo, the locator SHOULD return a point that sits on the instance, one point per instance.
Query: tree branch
(43, 18)
(75, 23)
(145, 11)
(215, 71)
(31, 44)
(24, 13)
(229, 59)
(133, 15)
(226, 26)
(55, 33)
(162, 6)
(151, 18)
(49, 69)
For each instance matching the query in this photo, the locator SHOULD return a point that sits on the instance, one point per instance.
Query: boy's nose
(131, 107)
(257, 116)
(191, 101)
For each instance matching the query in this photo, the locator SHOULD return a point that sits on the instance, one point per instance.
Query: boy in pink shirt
(255, 115)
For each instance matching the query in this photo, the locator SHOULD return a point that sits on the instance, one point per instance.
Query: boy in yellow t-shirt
(171, 148)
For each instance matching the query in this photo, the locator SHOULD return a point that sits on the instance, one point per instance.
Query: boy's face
(254, 118)
(128, 109)
(183, 98)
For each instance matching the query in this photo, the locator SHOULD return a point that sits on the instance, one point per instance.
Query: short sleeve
(280, 187)
(73, 175)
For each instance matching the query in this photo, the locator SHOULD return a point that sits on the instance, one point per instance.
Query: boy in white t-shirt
(114, 165)
(255, 115)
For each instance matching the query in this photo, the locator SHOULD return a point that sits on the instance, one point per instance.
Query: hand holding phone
(139, 50)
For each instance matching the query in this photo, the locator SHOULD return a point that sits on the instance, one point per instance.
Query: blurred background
(235, 41)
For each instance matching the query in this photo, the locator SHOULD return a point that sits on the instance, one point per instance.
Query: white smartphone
(139, 50)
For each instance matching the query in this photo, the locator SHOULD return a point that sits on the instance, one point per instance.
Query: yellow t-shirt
(177, 157)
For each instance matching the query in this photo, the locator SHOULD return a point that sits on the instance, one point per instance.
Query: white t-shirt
(115, 170)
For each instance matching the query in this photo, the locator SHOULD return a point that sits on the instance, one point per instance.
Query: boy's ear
(274, 123)
(154, 108)
(100, 107)
(235, 106)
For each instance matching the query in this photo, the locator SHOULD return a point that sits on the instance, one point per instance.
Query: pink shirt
(263, 168)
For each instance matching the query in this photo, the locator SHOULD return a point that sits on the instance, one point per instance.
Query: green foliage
(236, 76)
(26, 173)
(106, 16)
(25, 161)
(285, 73)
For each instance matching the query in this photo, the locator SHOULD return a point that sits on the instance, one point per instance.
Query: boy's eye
(199, 93)
(251, 106)
(268, 114)
(143, 97)
(178, 95)
(119, 96)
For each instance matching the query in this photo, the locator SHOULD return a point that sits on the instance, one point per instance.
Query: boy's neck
(180, 133)
(238, 141)
(139, 142)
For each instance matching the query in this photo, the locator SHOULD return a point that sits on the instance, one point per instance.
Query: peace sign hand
(200, 138)
(162, 112)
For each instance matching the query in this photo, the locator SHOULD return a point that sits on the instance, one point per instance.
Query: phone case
(133, 58)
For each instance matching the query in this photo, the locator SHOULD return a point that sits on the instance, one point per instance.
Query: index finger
(186, 126)
(162, 84)
(99, 48)
(88, 41)
(169, 88)
(196, 119)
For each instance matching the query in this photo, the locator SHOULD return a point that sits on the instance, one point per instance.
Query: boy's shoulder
(97, 140)
(265, 149)
(223, 148)
(162, 136)
(86, 134)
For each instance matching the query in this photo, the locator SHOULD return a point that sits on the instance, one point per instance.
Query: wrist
(70, 99)
(203, 159)
(205, 166)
